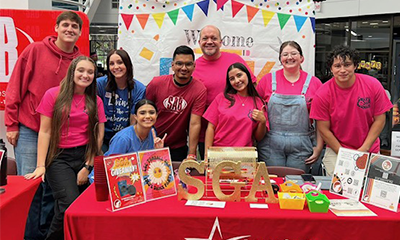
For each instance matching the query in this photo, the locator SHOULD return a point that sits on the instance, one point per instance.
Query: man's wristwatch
(88, 167)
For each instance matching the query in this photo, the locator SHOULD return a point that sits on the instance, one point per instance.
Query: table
(169, 218)
(14, 206)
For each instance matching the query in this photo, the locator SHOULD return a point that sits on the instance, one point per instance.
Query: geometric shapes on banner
(220, 4)
(188, 10)
(173, 15)
(156, 37)
(204, 6)
(236, 6)
(251, 65)
(159, 18)
(299, 21)
(283, 18)
(267, 16)
(165, 64)
(142, 18)
(266, 69)
(251, 12)
(127, 18)
(313, 23)
(146, 53)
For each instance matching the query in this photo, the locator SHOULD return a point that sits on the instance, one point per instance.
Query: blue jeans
(42, 207)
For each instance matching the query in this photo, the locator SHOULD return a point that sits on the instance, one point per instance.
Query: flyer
(124, 182)
(349, 208)
(382, 186)
(157, 173)
(348, 176)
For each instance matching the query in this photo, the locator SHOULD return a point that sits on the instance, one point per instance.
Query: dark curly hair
(342, 52)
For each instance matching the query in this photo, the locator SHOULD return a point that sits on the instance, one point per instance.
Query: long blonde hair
(62, 108)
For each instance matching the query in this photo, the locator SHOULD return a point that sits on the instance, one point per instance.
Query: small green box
(317, 202)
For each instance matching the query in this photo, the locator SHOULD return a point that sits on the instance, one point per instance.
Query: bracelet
(40, 166)
(191, 156)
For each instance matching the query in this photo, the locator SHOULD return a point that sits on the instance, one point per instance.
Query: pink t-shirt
(175, 105)
(283, 86)
(351, 111)
(234, 126)
(73, 132)
(213, 73)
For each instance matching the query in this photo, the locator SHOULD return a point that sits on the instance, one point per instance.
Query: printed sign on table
(157, 173)
(349, 173)
(124, 182)
(382, 186)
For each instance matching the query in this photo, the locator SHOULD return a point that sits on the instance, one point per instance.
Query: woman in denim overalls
(289, 91)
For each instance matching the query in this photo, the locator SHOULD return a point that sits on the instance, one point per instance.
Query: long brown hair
(62, 108)
(251, 90)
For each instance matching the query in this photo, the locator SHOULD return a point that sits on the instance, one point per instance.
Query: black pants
(179, 154)
(62, 177)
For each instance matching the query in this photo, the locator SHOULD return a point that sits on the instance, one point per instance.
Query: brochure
(349, 208)
(157, 173)
(123, 179)
(382, 187)
(348, 176)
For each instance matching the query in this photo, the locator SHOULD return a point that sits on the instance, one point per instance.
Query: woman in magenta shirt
(237, 116)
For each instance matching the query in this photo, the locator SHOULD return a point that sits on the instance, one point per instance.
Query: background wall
(346, 8)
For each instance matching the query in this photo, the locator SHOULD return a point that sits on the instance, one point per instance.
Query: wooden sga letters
(235, 196)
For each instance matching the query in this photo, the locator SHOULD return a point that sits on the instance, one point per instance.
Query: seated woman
(120, 92)
(289, 92)
(140, 136)
(236, 117)
(70, 136)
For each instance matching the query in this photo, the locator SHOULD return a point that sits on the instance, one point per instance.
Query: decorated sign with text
(382, 186)
(348, 176)
(150, 30)
(157, 173)
(19, 28)
(124, 182)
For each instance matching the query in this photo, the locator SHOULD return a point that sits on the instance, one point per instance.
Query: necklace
(77, 104)
(242, 101)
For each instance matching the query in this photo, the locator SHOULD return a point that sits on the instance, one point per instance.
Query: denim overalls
(289, 141)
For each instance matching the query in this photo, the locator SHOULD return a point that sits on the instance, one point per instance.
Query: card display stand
(247, 156)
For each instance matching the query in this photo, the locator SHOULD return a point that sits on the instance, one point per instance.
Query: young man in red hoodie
(42, 65)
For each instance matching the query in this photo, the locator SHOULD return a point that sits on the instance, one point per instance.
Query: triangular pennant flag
(127, 18)
(267, 16)
(312, 23)
(142, 18)
(220, 4)
(236, 6)
(251, 12)
(188, 10)
(159, 18)
(204, 6)
(174, 15)
(283, 18)
(299, 21)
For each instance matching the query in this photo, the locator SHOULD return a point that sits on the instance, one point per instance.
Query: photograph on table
(349, 173)
(382, 185)
(157, 173)
(124, 182)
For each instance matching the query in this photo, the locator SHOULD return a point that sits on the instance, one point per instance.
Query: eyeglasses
(293, 54)
(187, 64)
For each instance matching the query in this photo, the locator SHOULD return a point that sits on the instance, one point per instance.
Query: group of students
(84, 117)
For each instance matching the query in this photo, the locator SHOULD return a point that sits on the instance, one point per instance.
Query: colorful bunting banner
(255, 37)
(236, 6)
(188, 10)
(251, 12)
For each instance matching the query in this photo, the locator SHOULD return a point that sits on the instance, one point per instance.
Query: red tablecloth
(14, 206)
(169, 218)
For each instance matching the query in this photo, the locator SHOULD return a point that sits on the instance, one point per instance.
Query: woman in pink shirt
(70, 135)
(236, 117)
(289, 92)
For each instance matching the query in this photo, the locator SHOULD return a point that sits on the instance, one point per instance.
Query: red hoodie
(41, 66)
